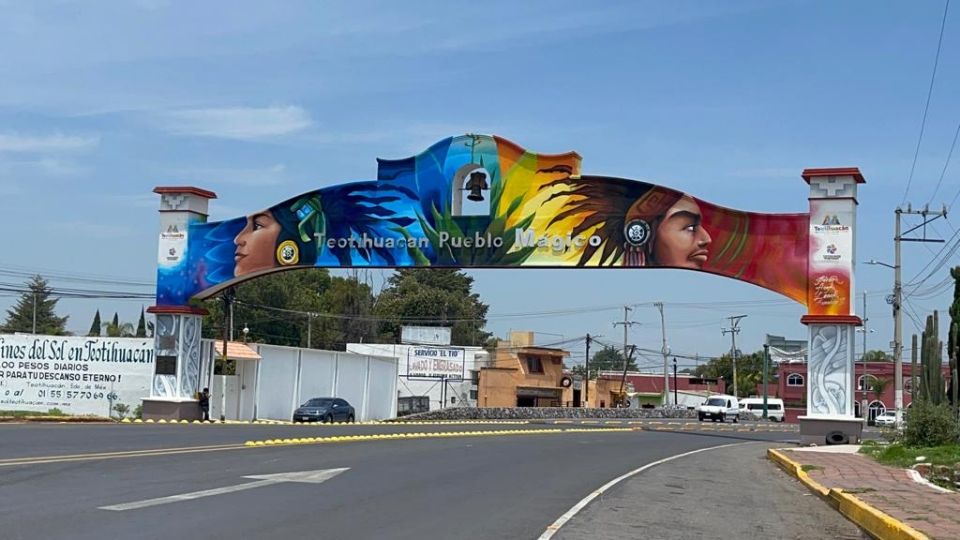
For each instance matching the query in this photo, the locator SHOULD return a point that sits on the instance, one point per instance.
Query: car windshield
(716, 402)
(318, 402)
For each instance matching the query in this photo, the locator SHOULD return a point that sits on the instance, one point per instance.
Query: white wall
(285, 377)
(474, 359)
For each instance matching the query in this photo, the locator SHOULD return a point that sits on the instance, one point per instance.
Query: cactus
(953, 345)
(915, 387)
(931, 359)
(954, 328)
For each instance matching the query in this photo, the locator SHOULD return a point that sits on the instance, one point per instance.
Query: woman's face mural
(256, 243)
(680, 240)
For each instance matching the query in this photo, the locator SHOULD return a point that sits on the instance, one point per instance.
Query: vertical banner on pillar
(189, 369)
(830, 281)
(830, 372)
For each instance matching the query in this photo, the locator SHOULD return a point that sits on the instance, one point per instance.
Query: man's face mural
(255, 244)
(680, 240)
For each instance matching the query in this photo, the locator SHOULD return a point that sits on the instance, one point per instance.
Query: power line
(926, 107)
(945, 165)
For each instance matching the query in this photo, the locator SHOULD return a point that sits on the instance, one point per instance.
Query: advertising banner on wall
(484, 202)
(435, 363)
(78, 375)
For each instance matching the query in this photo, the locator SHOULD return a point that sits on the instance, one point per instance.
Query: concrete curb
(876, 523)
(430, 435)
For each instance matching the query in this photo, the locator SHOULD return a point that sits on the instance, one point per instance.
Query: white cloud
(244, 123)
(16, 142)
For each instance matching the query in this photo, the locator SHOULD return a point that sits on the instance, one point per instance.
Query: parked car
(754, 406)
(719, 407)
(886, 419)
(325, 410)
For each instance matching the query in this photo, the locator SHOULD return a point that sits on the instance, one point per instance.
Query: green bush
(55, 412)
(121, 409)
(138, 411)
(930, 425)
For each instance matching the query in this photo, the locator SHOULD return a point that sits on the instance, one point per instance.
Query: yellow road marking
(289, 442)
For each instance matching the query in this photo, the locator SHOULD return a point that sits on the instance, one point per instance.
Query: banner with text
(78, 375)
(435, 363)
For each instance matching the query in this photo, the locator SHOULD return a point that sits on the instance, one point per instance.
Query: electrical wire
(926, 107)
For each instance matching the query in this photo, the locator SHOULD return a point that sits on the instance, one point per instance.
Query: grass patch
(898, 455)
(808, 468)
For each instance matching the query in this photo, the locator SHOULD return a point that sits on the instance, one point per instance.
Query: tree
(95, 326)
(876, 356)
(35, 304)
(117, 329)
(276, 309)
(749, 371)
(141, 325)
(433, 296)
(606, 359)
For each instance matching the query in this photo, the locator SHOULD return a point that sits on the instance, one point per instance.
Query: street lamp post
(897, 325)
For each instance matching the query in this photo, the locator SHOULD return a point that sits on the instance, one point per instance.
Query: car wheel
(351, 419)
(723, 418)
(328, 419)
(700, 418)
(736, 419)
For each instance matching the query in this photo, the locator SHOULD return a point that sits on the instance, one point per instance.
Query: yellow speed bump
(435, 435)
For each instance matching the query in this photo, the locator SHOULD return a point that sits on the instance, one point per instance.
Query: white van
(719, 407)
(754, 406)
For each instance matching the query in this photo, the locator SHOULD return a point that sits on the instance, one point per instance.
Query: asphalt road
(735, 489)
(469, 487)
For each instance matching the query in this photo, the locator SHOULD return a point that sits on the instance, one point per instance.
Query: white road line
(562, 520)
(308, 477)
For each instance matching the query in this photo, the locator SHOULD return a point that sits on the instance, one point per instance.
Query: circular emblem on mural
(288, 253)
(637, 232)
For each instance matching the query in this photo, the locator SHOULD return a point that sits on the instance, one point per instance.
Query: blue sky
(729, 101)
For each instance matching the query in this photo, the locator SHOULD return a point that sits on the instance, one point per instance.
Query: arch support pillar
(176, 336)
(830, 319)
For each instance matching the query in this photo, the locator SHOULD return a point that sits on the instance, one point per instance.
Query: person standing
(205, 403)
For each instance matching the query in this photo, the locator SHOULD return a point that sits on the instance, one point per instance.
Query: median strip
(428, 435)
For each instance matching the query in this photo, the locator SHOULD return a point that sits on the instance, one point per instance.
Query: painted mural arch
(480, 201)
(485, 202)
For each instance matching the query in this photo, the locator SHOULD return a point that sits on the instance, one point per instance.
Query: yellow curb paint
(872, 520)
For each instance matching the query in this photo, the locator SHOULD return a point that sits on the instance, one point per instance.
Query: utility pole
(665, 351)
(766, 360)
(733, 331)
(896, 299)
(586, 368)
(676, 397)
(309, 330)
(228, 296)
(626, 359)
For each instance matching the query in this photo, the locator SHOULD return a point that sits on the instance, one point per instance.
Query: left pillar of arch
(177, 366)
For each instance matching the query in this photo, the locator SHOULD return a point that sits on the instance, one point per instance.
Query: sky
(258, 102)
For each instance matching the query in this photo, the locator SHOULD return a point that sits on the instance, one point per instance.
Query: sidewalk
(883, 500)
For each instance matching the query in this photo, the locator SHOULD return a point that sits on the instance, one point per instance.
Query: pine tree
(142, 325)
(116, 319)
(35, 304)
(95, 325)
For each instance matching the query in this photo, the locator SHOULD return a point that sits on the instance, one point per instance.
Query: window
(534, 365)
(473, 394)
(795, 379)
(865, 382)
(474, 376)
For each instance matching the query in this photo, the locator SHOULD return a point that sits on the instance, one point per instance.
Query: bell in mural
(476, 184)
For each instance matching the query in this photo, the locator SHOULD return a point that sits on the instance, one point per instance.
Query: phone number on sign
(70, 394)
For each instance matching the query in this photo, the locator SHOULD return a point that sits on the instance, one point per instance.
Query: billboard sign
(425, 335)
(435, 363)
(73, 374)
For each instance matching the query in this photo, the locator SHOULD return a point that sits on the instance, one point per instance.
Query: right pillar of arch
(830, 317)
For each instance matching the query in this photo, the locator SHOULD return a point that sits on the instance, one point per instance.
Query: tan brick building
(523, 375)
